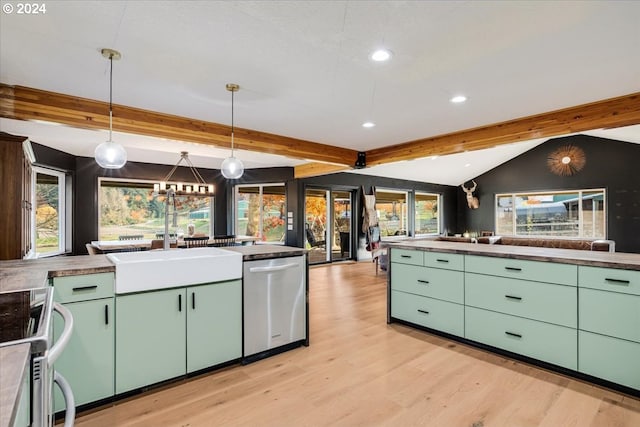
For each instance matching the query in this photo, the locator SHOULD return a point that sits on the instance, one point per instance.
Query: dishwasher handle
(62, 342)
(271, 269)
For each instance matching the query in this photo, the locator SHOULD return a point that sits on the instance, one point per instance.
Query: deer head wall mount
(472, 200)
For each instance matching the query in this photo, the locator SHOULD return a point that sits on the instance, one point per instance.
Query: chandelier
(197, 188)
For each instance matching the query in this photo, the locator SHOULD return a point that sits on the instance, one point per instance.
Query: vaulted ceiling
(307, 83)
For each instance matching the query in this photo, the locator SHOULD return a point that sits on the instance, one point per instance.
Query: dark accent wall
(610, 164)
(613, 165)
(356, 181)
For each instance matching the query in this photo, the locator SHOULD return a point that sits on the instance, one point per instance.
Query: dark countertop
(33, 273)
(256, 252)
(13, 367)
(626, 261)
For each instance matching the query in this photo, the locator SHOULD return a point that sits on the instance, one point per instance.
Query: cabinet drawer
(533, 300)
(563, 274)
(444, 260)
(609, 358)
(543, 341)
(83, 288)
(610, 313)
(609, 279)
(431, 313)
(430, 282)
(407, 256)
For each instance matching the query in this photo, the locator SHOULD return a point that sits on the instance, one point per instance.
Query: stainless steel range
(27, 317)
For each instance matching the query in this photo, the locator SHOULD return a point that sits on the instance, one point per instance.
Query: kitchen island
(574, 311)
(29, 274)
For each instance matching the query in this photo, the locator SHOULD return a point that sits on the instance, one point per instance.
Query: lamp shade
(232, 168)
(110, 155)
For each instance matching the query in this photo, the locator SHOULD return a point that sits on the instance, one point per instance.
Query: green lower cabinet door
(543, 341)
(214, 324)
(150, 338)
(609, 358)
(87, 361)
(428, 312)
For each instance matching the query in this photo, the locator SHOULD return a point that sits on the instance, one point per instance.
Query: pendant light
(109, 154)
(232, 168)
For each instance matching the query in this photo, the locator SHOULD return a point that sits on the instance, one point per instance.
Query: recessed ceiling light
(467, 165)
(368, 124)
(458, 99)
(381, 55)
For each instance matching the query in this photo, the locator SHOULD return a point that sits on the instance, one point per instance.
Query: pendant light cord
(232, 93)
(110, 96)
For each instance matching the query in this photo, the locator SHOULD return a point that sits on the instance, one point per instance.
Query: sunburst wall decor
(567, 160)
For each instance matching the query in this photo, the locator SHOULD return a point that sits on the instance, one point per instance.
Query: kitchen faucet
(170, 199)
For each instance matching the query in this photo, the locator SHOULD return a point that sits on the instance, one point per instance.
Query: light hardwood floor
(359, 371)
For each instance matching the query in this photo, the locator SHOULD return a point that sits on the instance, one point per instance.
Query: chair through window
(196, 242)
(131, 237)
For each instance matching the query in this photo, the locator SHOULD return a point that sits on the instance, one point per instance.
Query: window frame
(415, 213)
(64, 211)
(148, 182)
(580, 193)
(408, 220)
(261, 186)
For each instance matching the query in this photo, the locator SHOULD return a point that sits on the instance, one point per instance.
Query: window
(130, 208)
(50, 219)
(579, 213)
(426, 211)
(261, 211)
(392, 212)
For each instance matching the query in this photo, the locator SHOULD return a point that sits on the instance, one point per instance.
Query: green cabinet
(543, 341)
(538, 271)
(150, 338)
(610, 358)
(437, 283)
(538, 301)
(609, 323)
(164, 334)
(428, 312)
(214, 324)
(427, 289)
(87, 362)
(583, 318)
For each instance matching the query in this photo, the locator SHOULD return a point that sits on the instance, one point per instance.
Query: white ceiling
(304, 71)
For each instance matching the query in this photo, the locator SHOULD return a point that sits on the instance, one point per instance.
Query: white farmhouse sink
(150, 270)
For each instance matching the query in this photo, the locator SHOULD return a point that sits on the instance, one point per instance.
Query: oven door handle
(69, 401)
(58, 347)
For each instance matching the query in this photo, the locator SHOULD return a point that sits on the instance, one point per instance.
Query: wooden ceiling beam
(315, 169)
(23, 103)
(609, 113)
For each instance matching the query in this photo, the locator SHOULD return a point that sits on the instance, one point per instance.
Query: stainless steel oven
(27, 317)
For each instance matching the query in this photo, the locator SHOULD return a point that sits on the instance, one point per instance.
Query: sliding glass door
(328, 224)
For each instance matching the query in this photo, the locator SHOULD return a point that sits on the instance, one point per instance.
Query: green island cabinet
(88, 360)
(526, 307)
(583, 318)
(166, 333)
(609, 324)
(427, 289)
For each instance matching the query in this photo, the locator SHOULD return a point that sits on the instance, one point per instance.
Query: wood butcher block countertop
(626, 261)
(13, 367)
(33, 273)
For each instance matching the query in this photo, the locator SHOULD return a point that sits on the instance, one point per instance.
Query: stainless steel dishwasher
(275, 305)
